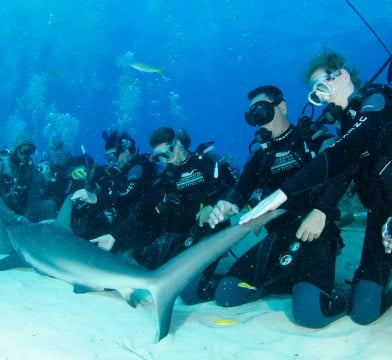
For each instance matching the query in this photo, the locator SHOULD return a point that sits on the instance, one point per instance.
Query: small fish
(146, 68)
(245, 285)
(226, 322)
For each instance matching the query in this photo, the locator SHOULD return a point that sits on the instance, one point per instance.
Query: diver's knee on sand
(198, 290)
(314, 309)
(367, 302)
(228, 293)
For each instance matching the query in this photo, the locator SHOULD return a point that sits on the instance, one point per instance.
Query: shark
(52, 249)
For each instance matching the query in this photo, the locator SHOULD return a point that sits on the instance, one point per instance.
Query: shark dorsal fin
(63, 219)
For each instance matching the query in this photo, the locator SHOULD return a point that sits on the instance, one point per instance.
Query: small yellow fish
(225, 322)
(146, 68)
(245, 285)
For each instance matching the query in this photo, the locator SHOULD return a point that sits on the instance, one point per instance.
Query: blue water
(65, 65)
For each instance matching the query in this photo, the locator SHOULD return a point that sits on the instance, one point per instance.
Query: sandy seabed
(41, 318)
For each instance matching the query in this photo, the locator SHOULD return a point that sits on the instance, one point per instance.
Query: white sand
(41, 318)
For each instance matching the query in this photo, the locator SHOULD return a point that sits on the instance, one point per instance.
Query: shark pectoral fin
(12, 261)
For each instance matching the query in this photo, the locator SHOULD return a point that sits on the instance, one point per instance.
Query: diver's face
(111, 156)
(265, 112)
(123, 159)
(25, 152)
(173, 153)
(327, 88)
(324, 88)
(164, 153)
(275, 117)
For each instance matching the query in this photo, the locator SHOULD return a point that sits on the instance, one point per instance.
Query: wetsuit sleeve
(332, 192)
(345, 152)
(246, 184)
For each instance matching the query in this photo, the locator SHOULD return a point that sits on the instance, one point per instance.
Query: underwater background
(66, 74)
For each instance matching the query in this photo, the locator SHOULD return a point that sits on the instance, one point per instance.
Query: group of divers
(154, 206)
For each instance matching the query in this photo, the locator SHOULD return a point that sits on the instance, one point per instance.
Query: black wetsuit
(116, 190)
(366, 145)
(314, 262)
(15, 182)
(164, 218)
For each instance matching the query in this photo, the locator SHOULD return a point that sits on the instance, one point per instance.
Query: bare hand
(221, 212)
(85, 196)
(105, 242)
(387, 236)
(204, 214)
(312, 226)
(387, 242)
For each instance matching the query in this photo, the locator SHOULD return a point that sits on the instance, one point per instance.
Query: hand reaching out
(105, 242)
(221, 212)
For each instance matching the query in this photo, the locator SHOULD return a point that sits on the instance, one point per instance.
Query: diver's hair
(120, 142)
(112, 140)
(331, 61)
(162, 135)
(272, 92)
(167, 135)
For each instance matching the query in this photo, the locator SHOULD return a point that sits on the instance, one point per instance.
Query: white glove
(271, 202)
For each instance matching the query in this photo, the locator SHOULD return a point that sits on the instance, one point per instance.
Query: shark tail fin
(169, 280)
(63, 219)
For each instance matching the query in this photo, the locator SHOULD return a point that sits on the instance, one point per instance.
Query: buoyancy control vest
(374, 177)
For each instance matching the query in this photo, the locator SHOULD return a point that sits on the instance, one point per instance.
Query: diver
(168, 216)
(105, 202)
(367, 147)
(58, 175)
(298, 254)
(16, 174)
(50, 181)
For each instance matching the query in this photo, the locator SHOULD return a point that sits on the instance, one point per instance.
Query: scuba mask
(26, 149)
(79, 173)
(261, 112)
(164, 155)
(323, 89)
(111, 157)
